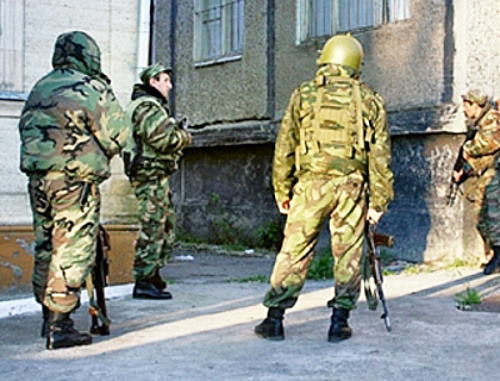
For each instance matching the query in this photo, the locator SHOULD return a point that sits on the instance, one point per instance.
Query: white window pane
(398, 10)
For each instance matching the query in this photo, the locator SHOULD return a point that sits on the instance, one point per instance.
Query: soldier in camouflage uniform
(70, 127)
(159, 141)
(482, 155)
(331, 153)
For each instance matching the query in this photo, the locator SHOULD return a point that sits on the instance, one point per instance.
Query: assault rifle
(96, 281)
(461, 164)
(373, 268)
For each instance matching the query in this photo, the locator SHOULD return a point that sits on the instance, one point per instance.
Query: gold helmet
(342, 49)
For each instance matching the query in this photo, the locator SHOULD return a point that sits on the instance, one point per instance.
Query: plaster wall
(218, 92)
(113, 24)
(403, 61)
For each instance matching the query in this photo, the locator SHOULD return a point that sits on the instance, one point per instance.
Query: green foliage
(457, 263)
(468, 297)
(321, 267)
(233, 246)
(270, 235)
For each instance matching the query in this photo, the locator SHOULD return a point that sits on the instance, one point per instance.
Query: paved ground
(205, 332)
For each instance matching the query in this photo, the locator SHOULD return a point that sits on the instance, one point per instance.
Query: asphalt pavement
(206, 331)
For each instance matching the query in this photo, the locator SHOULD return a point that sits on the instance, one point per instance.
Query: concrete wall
(216, 93)
(421, 66)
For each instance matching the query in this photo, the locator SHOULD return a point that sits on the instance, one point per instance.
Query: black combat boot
(272, 326)
(158, 281)
(45, 325)
(339, 329)
(145, 289)
(493, 266)
(62, 334)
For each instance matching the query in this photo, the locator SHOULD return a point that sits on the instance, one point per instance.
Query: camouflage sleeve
(160, 131)
(380, 176)
(487, 139)
(110, 128)
(284, 151)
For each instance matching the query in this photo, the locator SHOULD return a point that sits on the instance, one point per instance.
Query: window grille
(317, 18)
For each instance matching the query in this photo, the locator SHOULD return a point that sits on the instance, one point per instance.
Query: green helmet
(342, 49)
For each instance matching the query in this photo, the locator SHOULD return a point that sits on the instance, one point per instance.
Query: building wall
(222, 92)
(113, 24)
(421, 66)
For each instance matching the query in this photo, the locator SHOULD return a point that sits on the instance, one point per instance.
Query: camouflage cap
(475, 96)
(152, 71)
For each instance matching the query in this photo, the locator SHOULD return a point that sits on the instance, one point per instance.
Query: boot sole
(60, 346)
(149, 297)
(337, 339)
(272, 338)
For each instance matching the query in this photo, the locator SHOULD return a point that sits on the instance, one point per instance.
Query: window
(218, 29)
(316, 18)
(11, 46)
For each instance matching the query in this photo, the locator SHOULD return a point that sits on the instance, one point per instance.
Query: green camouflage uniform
(70, 127)
(158, 145)
(483, 150)
(330, 154)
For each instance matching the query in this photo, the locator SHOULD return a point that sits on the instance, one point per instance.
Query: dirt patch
(489, 304)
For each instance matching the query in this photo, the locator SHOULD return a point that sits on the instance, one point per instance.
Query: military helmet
(475, 96)
(342, 49)
(152, 71)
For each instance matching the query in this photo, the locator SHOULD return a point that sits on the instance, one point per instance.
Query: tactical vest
(332, 129)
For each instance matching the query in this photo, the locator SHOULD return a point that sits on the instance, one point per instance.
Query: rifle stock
(374, 241)
(100, 271)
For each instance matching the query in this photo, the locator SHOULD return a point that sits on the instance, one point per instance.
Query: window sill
(8, 96)
(217, 61)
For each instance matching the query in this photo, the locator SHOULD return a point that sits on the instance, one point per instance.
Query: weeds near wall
(270, 234)
(467, 298)
(321, 267)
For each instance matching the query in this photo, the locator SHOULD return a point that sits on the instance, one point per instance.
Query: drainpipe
(144, 35)
(173, 36)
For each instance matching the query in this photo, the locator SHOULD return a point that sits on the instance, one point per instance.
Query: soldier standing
(482, 155)
(331, 153)
(159, 141)
(70, 127)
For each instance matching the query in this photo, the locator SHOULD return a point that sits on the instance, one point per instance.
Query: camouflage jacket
(72, 124)
(295, 155)
(485, 146)
(158, 140)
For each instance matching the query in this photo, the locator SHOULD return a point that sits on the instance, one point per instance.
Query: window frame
(231, 31)
(379, 14)
(12, 16)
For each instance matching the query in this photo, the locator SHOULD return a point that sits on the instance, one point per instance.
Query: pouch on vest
(335, 140)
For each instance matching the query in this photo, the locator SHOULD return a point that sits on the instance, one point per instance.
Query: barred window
(11, 46)
(218, 29)
(316, 18)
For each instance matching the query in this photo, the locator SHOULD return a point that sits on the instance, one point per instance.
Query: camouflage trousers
(65, 222)
(343, 199)
(157, 218)
(487, 206)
